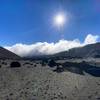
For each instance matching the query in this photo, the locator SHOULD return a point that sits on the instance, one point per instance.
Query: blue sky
(30, 21)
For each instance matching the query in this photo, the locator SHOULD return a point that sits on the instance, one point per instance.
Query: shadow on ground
(78, 68)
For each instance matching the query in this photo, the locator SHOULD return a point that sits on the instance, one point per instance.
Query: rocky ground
(32, 81)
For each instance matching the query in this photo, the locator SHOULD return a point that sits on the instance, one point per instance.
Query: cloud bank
(44, 48)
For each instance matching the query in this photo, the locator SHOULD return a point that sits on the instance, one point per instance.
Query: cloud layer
(44, 48)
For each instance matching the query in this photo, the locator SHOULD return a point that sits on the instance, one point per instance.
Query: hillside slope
(6, 54)
(91, 50)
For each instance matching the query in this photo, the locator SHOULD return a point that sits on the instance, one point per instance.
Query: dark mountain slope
(6, 54)
(91, 50)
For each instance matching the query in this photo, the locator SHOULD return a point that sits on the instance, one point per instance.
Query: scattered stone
(15, 64)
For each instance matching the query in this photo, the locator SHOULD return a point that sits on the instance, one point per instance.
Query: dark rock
(35, 65)
(52, 63)
(15, 64)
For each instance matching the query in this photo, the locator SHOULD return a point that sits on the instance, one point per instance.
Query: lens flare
(59, 19)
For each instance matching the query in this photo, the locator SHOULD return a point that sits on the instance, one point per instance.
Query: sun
(59, 19)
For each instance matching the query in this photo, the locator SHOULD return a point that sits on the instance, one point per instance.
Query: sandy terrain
(32, 81)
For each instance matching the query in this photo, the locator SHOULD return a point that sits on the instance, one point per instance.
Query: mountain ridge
(90, 50)
(87, 51)
(6, 54)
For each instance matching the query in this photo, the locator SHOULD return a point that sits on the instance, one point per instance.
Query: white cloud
(50, 48)
(91, 39)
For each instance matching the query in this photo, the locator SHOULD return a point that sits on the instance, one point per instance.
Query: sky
(31, 21)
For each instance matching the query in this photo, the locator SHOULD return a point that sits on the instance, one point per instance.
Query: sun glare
(59, 19)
